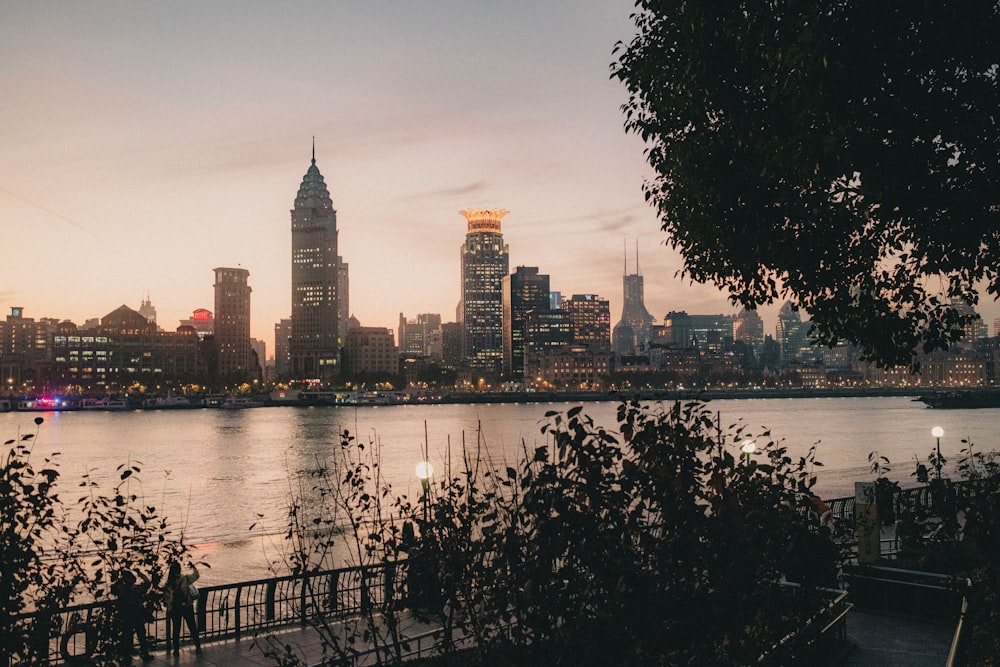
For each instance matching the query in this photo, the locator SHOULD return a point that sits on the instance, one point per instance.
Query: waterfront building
(201, 320)
(591, 319)
(232, 325)
(524, 290)
(633, 332)
(125, 350)
(25, 351)
(484, 263)
(569, 367)
(370, 352)
(314, 344)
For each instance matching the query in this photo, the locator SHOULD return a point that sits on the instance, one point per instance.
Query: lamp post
(424, 472)
(937, 432)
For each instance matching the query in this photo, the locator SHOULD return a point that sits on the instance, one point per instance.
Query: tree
(842, 154)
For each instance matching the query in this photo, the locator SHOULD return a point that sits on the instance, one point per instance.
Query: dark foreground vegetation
(666, 539)
(662, 541)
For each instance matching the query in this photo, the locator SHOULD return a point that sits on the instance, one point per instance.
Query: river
(213, 472)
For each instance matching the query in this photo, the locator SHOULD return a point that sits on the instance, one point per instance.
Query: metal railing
(228, 611)
(818, 639)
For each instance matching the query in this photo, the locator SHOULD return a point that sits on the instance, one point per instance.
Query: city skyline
(147, 144)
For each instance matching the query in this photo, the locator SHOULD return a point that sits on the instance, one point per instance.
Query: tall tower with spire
(633, 331)
(314, 344)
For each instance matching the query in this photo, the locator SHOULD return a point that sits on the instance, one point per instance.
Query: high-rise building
(420, 337)
(282, 361)
(343, 298)
(523, 291)
(632, 333)
(792, 335)
(314, 346)
(749, 328)
(480, 310)
(232, 324)
(591, 318)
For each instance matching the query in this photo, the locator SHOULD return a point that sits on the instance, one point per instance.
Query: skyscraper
(749, 328)
(314, 344)
(591, 318)
(632, 333)
(523, 291)
(232, 324)
(480, 310)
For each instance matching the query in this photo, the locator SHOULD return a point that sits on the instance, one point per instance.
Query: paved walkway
(879, 640)
(233, 653)
(894, 641)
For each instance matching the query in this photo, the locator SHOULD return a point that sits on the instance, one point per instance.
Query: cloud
(460, 191)
(43, 208)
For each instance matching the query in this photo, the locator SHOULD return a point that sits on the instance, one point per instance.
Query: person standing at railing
(179, 595)
(131, 613)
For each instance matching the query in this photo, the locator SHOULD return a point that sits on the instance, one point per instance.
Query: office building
(420, 337)
(748, 327)
(591, 319)
(484, 263)
(370, 352)
(232, 325)
(314, 345)
(524, 290)
(282, 360)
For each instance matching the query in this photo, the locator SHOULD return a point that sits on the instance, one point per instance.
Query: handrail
(957, 638)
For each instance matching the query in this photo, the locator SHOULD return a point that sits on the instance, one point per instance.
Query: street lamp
(748, 448)
(937, 432)
(424, 472)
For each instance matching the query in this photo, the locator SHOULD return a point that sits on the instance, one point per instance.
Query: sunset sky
(145, 144)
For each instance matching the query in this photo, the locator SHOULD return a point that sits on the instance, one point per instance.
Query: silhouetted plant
(52, 558)
(342, 512)
(660, 542)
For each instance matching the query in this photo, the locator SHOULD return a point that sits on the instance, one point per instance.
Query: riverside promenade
(304, 640)
(876, 640)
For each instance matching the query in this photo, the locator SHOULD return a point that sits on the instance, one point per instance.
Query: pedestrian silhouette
(179, 595)
(131, 614)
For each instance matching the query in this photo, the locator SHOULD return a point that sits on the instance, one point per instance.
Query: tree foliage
(843, 154)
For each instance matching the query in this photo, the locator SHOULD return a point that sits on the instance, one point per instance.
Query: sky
(147, 143)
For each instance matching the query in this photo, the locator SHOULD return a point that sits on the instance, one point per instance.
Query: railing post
(304, 581)
(388, 584)
(237, 611)
(334, 585)
(269, 600)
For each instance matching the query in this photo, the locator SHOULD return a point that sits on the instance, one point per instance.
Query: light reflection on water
(212, 472)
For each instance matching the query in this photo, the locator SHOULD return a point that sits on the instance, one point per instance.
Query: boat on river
(106, 403)
(963, 399)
